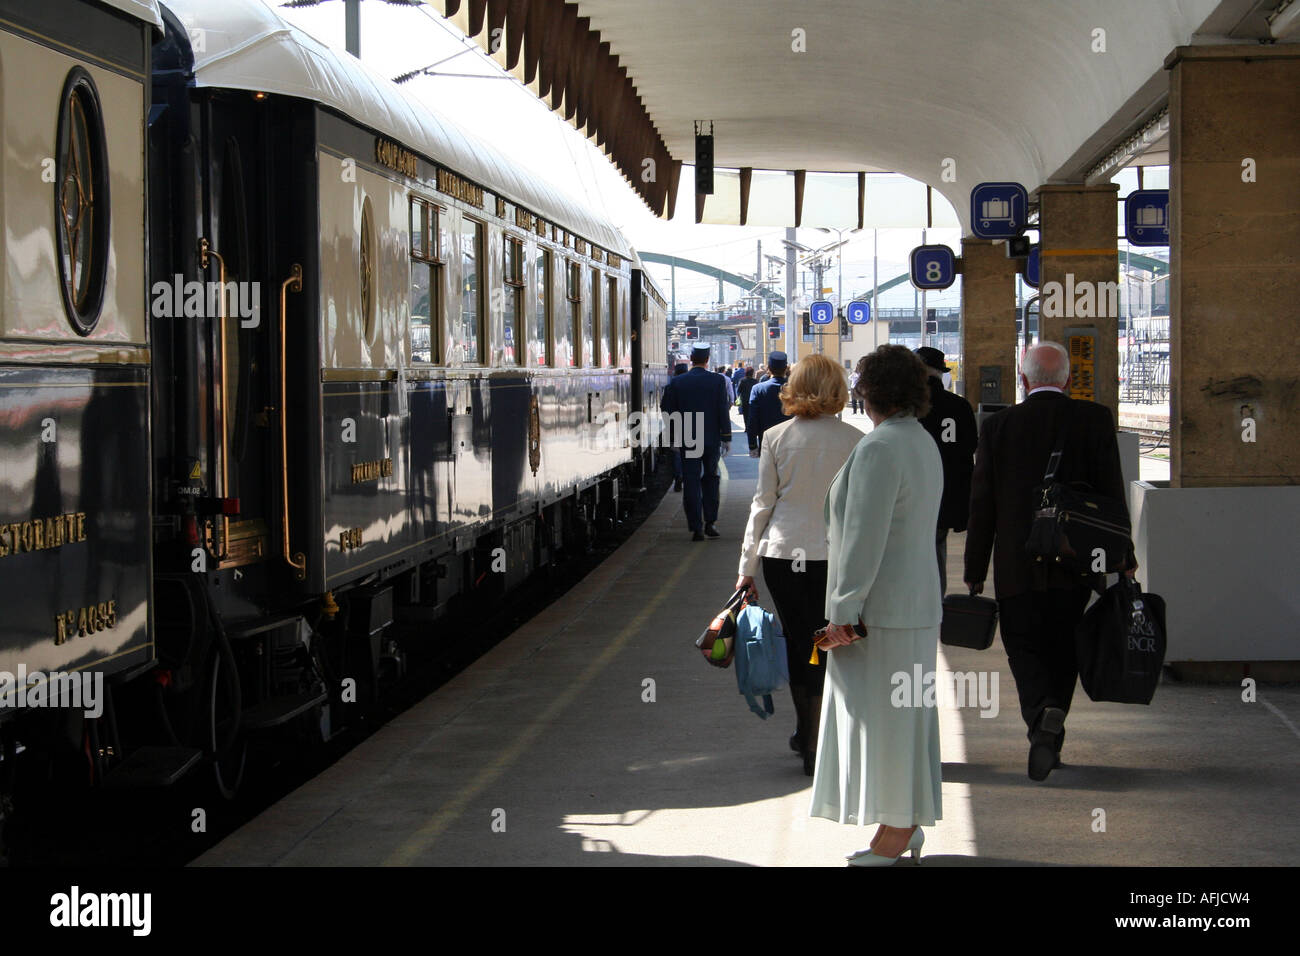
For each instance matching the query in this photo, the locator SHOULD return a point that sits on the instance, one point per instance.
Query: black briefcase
(969, 620)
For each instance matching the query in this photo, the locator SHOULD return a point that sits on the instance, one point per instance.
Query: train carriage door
(233, 261)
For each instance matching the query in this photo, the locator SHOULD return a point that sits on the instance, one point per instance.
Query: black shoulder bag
(1075, 528)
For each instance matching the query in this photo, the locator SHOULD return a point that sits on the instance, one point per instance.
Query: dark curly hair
(892, 379)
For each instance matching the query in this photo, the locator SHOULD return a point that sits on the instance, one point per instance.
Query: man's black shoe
(1043, 758)
(711, 531)
(677, 485)
(697, 536)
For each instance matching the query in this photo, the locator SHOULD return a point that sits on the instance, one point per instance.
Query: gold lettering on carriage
(458, 188)
(388, 153)
(364, 471)
(41, 534)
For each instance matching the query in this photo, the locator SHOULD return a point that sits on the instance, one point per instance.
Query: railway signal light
(703, 160)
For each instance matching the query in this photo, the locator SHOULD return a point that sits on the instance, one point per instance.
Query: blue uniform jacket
(765, 407)
(702, 392)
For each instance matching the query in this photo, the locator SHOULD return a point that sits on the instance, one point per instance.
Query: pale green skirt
(877, 762)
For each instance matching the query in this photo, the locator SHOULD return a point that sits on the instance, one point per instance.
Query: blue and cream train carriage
(349, 365)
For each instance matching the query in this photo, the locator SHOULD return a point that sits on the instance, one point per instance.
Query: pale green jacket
(882, 512)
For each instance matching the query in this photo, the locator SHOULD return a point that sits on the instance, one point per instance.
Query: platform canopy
(948, 92)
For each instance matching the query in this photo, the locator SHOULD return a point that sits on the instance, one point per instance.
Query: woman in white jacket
(878, 759)
(786, 531)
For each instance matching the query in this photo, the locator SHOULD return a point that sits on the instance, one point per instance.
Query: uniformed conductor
(700, 396)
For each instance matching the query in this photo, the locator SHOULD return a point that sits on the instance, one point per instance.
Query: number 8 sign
(933, 267)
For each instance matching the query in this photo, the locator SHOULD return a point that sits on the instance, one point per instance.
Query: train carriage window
(591, 330)
(611, 321)
(573, 292)
(426, 282)
(81, 208)
(232, 241)
(514, 300)
(468, 335)
(539, 344)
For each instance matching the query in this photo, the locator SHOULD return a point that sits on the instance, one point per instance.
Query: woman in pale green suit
(877, 762)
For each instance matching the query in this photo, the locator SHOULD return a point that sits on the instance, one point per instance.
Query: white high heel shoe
(869, 857)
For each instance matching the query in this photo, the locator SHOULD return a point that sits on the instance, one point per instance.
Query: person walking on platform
(951, 423)
(742, 392)
(855, 401)
(731, 389)
(765, 401)
(698, 402)
(737, 374)
(674, 443)
(786, 532)
(1039, 605)
(878, 759)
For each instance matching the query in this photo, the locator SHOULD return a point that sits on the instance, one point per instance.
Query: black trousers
(1038, 634)
(800, 599)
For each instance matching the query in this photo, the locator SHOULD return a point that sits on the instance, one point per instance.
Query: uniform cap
(932, 358)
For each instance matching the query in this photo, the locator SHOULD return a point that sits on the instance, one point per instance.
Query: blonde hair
(816, 386)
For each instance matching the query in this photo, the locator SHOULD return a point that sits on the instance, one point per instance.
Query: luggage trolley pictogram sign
(1146, 217)
(998, 210)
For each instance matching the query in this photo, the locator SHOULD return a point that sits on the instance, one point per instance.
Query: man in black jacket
(1039, 604)
(951, 424)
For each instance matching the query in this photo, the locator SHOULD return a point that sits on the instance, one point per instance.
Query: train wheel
(226, 745)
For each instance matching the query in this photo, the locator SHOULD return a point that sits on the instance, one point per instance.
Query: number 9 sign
(933, 267)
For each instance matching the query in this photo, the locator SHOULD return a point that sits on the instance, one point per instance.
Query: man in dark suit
(1039, 604)
(675, 451)
(697, 401)
(765, 401)
(951, 423)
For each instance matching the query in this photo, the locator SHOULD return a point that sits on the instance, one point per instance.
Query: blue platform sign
(1146, 217)
(858, 313)
(933, 267)
(998, 210)
(821, 312)
(1033, 267)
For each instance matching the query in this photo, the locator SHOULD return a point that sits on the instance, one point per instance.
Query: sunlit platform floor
(552, 750)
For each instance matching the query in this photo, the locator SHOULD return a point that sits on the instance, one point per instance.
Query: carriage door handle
(296, 561)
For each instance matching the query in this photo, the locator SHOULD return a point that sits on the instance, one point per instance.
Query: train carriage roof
(146, 10)
(247, 46)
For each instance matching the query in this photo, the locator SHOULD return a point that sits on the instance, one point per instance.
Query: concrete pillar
(988, 321)
(1235, 281)
(1079, 228)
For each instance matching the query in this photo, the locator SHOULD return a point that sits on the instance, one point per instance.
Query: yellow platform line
(1078, 252)
(422, 839)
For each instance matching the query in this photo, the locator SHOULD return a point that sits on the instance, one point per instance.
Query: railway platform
(595, 735)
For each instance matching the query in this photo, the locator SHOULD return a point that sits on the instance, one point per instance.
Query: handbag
(1074, 527)
(1120, 644)
(717, 642)
(969, 620)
